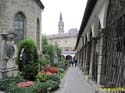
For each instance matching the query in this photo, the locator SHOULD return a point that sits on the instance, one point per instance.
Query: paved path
(74, 82)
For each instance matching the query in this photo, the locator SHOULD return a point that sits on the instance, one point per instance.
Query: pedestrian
(72, 62)
(69, 61)
(75, 62)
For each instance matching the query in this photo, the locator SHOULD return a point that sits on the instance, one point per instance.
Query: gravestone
(55, 58)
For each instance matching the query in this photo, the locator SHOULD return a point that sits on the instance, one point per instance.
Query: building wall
(94, 25)
(67, 43)
(8, 10)
(106, 23)
(31, 10)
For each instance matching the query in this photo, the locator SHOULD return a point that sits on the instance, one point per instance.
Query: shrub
(27, 59)
(61, 70)
(54, 77)
(52, 85)
(44, 61)
(10, 85)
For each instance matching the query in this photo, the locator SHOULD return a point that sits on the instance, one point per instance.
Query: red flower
(52, 70)
(25, 84)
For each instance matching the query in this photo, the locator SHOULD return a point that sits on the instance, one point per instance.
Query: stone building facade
(101, 44)
(22, 17)
(65, 41)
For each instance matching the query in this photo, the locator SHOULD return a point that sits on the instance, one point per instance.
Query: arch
(105, 13)
(68, 58)
(19, 26)
(62, 56)
(85, 39)
(96, 27)
(83, 42)
(38, 33)
(90, 35)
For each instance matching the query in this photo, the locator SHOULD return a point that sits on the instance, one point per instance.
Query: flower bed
(46, 80)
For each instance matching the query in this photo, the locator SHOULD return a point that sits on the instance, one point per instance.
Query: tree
(58, 50)
(27, 59)
(44, 44)
(49, 49)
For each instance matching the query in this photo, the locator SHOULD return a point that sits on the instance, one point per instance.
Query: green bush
(10, 86)
(54, 77)
(44, 61)
(27, 59)
(61, 70)
(52, 85)
(63, 64)
(33, 89)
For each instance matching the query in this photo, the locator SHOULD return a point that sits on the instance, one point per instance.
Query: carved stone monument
(8, 65)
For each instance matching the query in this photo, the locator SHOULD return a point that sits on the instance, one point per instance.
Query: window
(19, 26)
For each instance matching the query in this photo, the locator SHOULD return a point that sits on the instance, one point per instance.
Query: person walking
(75, 61)
(72, 62)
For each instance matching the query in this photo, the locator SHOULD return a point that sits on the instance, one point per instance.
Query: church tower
(60, 25)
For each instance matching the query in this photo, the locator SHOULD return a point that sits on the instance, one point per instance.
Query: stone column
(101, 57)
(93, 53)
(84, 58)
(80, 54)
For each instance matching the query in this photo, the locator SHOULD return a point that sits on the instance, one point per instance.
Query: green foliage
(44, 61)
(45, 45)
(33, 89)
(52, 85)
(50, 50)
(10, 86)
(58, 52)
(54, 77)
(61, 70)
(28, 63)
(41, 76)
(51, 53)
(62, 64)
(62, 75)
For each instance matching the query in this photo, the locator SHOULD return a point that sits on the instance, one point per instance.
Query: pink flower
(25, 84)
(48, 73)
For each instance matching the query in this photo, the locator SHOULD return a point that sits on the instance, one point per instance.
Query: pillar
(93, 54)
(101, 64)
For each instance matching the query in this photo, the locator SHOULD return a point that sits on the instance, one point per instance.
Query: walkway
(74, 82)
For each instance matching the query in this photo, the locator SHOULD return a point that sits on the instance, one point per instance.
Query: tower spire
(60, 24)
(61, 16)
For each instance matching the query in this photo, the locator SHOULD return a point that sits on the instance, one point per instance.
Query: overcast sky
(72, 13)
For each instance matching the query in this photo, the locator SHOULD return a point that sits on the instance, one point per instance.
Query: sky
(72, 13)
